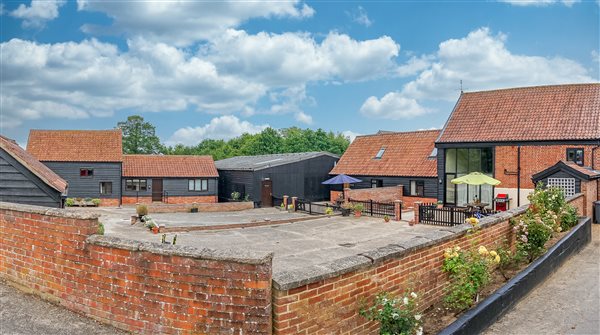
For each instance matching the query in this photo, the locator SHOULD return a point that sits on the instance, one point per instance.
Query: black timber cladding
(19, 185)
(89, 187)
(175, 187)
(430, 183)
(298, 174)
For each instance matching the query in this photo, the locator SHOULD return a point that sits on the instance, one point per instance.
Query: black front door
(157, 189)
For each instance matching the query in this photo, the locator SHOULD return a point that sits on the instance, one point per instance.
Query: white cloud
(482, 61)
(291, 59)
(38, 13)
(414, 66)
(392, 106)
(91, 78)
(350, 134)
(303, 117)
(538, 3)
(185, 22)
(224, 127)
(361, 17)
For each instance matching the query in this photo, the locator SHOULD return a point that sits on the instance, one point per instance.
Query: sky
(217, 69)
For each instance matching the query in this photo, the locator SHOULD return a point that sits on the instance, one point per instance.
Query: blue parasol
(341, 179)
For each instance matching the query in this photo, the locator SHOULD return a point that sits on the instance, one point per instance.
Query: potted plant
(70, 202)
(194, 208)
(141, 211)
(358, 208)
(235, 196)
(96, 202)
(282, 206)
(386, 218)
(290, 208)
(328, 211)
(346, 208)
(440, 204)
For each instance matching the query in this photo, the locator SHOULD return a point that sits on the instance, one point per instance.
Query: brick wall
(172, 200)
(136, 200)
(105, 202)
(380, 194)
(533, 160)
(139, 287)
(408, 201)
(202, 207)
(330, 306)
(590, 194)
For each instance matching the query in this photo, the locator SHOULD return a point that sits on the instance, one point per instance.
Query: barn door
(266, 193)
(157, 189)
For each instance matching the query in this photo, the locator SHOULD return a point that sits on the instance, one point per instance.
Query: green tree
(139, 136)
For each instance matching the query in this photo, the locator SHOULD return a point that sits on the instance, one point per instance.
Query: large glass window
(460, 162)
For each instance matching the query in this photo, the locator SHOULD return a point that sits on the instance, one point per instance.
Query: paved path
(26, 314)
(568, 302)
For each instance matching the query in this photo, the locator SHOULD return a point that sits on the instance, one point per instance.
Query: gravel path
(22, 313)
(568, 302)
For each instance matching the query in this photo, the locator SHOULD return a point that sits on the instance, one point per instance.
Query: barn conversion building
(266, 178)
(25, 180)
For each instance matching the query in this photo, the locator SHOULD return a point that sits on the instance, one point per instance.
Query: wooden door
(266, 193)
(157, 189)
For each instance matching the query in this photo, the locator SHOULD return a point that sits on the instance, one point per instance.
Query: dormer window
(380, 153)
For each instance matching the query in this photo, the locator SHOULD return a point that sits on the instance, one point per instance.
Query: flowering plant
(396, 315)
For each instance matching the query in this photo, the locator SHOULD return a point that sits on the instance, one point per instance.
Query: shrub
(235, 196)
(328, 211)
(141, 210)
(88, 199)
(469, 271)
(358, 208)
(247, 197)
(568, 217)
(395, 316)
(70, 202)
(100, 228)
(96, 202)
(532, 234)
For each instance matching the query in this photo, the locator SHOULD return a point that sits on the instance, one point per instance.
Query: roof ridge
(400, 132)
(531, 87)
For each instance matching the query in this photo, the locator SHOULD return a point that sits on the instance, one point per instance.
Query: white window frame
(103, 191)
(197, 185)
(567, 185)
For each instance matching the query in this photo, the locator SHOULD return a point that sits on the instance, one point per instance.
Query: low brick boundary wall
(379, 194)
(326, 299)
(202, 207)
(140, 287)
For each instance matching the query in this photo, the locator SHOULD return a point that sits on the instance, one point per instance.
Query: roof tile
(541, 113)
(76, 145)
(168, 166)
(406, 154)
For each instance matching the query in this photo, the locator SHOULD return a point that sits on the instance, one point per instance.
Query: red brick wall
(105, 202)
(408, 201)
(590, 194)
(172, 200)
(202, 207)
(331, 306)
(534, 159)
(136, 200)
(143, 289)
(381, 194)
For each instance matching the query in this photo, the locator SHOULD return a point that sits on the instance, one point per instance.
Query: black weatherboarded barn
(265, 177)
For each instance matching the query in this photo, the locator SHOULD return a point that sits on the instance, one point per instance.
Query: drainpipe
(519, 176)
(593, 150)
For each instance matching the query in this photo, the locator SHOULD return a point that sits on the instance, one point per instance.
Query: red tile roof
(583, 169)
(541, 113)
(168, 166)
(76, 145)
(406, 154)
(32, 164)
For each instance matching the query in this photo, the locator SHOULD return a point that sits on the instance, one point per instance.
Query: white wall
(512, 193)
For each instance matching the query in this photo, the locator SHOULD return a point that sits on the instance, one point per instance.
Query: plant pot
(193, 210)
(386, 220)
(345, 212)
(155, 230)
(134, 219)
(411, 223)
(357, 214)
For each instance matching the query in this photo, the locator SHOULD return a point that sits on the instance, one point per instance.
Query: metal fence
(448, 216)
(314, 208)
(374, 208)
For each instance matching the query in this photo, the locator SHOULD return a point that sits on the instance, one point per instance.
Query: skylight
(380, 153)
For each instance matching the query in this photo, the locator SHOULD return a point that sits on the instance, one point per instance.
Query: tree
(139, 136)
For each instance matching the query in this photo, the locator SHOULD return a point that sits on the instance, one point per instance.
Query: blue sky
(213, 69)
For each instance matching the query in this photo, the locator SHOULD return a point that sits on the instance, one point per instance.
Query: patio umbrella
(476, 178)
(341, 179)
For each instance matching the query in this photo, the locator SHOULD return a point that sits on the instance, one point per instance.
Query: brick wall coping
(48, 211)
(287, 280)
(237, 256)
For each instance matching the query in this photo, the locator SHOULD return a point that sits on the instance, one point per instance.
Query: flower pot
(357, 214)
(411, 223)
(155, 230)
(386, 220)
(134, 219)
(194, 210)
(345, 212)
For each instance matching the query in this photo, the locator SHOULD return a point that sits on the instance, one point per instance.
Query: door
(266, 193)
(157, 189)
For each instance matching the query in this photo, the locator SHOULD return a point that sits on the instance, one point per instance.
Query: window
(376, 183)
(575, 155)
(197, 184)
(86, 172)
(106, 187)
(460, 162)
(136, 185)
(417, 188)
(566, 184)
(380, 153)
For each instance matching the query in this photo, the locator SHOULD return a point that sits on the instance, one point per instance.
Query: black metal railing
(374, 208)
(314, 208)
(165, 197)
(449, 216)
